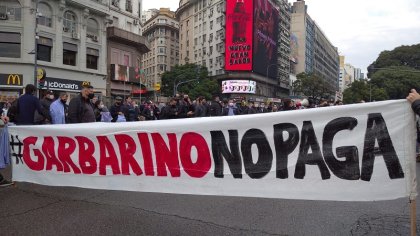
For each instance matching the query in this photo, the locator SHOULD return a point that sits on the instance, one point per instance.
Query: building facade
(125, 50)
(70, 44)
(148, 14)
(162, 33)
(316, 54)
(203, 25)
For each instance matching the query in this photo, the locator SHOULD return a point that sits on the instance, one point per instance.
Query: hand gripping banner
(362, 152)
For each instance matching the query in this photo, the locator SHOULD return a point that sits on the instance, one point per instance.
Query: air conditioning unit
(75, 35)
(95, 38)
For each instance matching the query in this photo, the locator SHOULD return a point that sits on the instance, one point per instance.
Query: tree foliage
(312, 86)
(203, 86)
(362, 90)
(403, 56)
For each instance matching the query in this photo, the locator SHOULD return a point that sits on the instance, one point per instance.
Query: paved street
(29, 209)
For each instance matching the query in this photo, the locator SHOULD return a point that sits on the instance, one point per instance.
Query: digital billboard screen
(239, 86)
(266, 33)
(238, 45)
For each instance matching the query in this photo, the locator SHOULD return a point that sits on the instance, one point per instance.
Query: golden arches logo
(12, 79)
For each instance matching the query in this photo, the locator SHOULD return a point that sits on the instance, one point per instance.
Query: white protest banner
(362, 152)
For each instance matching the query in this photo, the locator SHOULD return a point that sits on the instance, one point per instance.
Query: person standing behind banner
(27, 104)
(80, 107)
(46, 101)
(414, 99)
(58, 109)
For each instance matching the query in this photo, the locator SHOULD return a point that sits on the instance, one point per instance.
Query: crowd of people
(86, 108)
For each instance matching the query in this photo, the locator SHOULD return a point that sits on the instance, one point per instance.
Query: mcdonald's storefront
(11, 87)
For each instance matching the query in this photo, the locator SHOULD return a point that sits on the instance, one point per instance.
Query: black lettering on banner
(284, 147)
(377, 130)
(220, 150)
(265, 155)
(16, 142)
(349, 168)
(308, 139)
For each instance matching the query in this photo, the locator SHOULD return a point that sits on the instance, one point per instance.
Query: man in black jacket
(216, 107)
(414, 99)
(171, 111)
(81, 108)
(118, 109)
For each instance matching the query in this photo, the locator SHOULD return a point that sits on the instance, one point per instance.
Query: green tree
(405, 56)
(364, 90)
(312, 86)
(200, 84)
(396, 80)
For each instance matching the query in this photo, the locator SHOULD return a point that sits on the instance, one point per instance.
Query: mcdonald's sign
(11, 79)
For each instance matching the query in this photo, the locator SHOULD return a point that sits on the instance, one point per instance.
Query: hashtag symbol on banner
(16, 144)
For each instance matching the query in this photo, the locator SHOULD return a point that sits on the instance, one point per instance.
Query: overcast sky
(360, 29)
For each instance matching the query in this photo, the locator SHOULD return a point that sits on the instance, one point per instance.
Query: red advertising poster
(239, 24)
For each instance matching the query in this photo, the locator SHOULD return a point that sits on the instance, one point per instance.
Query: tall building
(316, 54)
(284, 50)
(125, 49)
(348, 74)
(162, 33)
(243, 42)
(71, 45)
(146, 15)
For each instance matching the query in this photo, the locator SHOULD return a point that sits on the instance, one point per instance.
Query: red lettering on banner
(66, 147)
(87, 161)
(147, 154)
(127, 148)
(203, 163)
(48, 149)
(107, 160)
(33, 165)
(166, 157)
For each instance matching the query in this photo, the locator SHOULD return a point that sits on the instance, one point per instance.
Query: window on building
(44, 49)
(69, 54)
(10, 10)
(10, 45)
(92, 30)
(69, 22)
(46, 15)
(129, 6)
(92, 56)
(211, 25)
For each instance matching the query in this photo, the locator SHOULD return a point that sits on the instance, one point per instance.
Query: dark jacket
(114, 110)
(80, 110)
(416, 107)
(148, 113)
(170, 112)
(251, 110)
(45, 117)
(26, 107)
(200, 110)
(215, 109)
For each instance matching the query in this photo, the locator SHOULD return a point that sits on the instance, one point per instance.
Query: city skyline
(361, 30)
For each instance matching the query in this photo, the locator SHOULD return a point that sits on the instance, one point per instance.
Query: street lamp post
(183, 82)
(36, 44)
